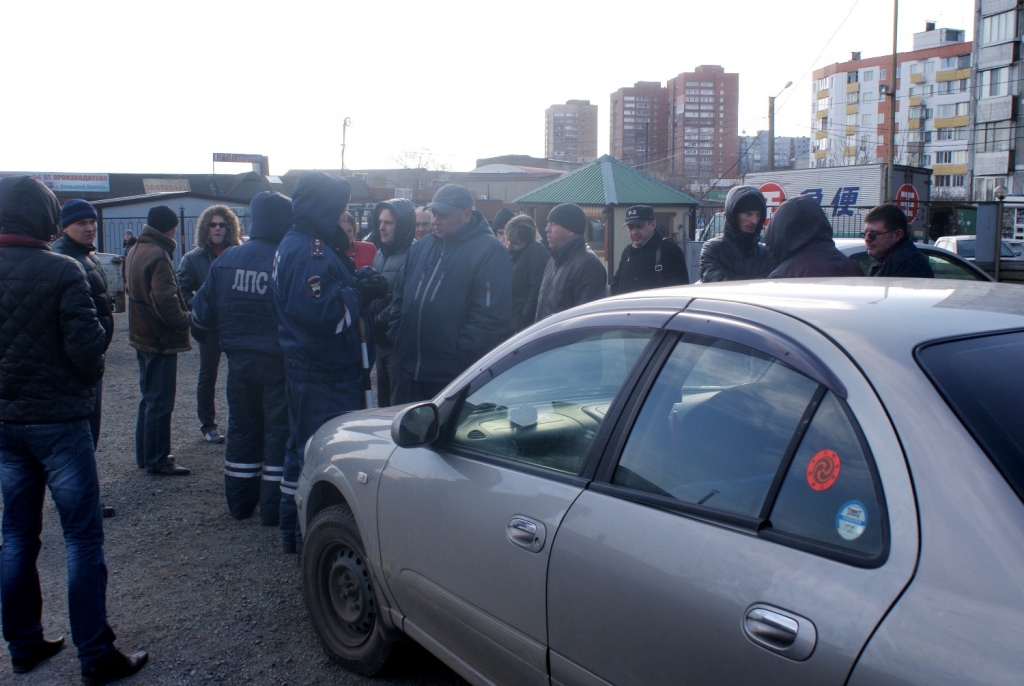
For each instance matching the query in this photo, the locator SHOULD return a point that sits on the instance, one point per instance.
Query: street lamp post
(771, 127)
(1000, 193)
(344, 127)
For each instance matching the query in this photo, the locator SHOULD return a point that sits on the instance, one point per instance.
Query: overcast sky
(110, 86)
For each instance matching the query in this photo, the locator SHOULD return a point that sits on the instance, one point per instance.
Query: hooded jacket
(65, 245)
(51, 343)
(735, 255)
(236, 300)
(452, 302)
(195, 264)
(528, 269)
(157, 316)
(800, 241)
(574, 275)
(904, 259)
(314, 290)
(390, 258)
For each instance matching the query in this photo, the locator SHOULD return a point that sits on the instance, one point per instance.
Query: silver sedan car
(780, 482)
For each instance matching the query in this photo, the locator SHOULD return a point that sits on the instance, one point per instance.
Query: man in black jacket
(887, 241)
(529, 259)
(650, 260)
(78, 220)
(738, 254)
(574, 275)
(51, 358)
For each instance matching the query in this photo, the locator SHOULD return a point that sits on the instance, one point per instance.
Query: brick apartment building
(639, 125)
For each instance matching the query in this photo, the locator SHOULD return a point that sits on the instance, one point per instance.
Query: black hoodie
(735, 255)
(800, 241)
(390, 258)
(51, 343)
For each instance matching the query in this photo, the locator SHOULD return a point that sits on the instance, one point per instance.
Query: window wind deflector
(753, 335)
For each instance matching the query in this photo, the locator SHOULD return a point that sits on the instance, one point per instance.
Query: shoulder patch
(316, 248)
(314, 286)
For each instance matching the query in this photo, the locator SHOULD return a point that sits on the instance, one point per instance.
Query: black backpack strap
(658, 269)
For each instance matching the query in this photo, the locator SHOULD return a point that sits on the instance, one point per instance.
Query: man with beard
(737, 254)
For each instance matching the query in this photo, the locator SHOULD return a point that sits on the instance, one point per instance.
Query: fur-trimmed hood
(234, 232)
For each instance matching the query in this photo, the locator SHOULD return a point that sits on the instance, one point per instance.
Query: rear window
(980, 380)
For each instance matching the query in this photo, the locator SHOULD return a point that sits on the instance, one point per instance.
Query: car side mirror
(415, 426)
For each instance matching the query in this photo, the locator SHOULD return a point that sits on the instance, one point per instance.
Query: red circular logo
(774, 195)
(823, 470)
(908, 199)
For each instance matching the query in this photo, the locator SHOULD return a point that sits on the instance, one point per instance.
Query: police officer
(236, 304)
(319, 305)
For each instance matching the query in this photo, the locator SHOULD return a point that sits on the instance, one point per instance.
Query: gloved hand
(371, 288)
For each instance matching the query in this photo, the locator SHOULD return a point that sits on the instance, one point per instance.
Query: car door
(751, 522)
(466, 525)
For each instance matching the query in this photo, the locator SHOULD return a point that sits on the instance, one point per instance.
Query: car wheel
(338, 590)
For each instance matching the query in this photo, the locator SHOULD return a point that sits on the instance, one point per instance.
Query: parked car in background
(944, 264)
(785, 482)
(964, 247)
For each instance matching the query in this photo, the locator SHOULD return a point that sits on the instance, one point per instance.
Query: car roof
(897, 312)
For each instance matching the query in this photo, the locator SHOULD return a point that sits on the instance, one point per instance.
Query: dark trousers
(418, 391)
(391, 383)
(206, 389)
(309, 406)
(257, 433)
(97, 413)
(158, 378)
(61, 457)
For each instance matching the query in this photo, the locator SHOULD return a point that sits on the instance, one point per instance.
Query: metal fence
(112, 229)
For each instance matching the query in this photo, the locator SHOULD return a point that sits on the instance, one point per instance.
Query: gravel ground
(213, 600)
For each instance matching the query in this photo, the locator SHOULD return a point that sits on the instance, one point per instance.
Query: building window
(869, 75)
(951, 157)
(958, 109)
(994, 83)
(881, 75)
(958, 133)
(949, 180)
(993, 137)
(851, 77)
(929, 67)
(999, 27)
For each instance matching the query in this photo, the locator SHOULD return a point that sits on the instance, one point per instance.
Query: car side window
(715, 427)
(545, 410)
(944, 268)
(828, 495)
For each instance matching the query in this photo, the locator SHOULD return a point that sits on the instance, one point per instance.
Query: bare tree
(423, 170)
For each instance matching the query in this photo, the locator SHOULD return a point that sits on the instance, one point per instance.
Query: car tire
(337, 587)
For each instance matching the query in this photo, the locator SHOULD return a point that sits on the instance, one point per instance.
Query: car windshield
(965, 248)
(972, 375)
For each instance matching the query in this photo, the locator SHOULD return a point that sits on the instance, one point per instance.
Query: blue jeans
(206, 387)
(158, 378)
(61, 457)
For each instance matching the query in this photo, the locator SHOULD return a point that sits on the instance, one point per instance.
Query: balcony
(947, 169)
(917, 77)
(818, 135)
(952, 75)
(853, 87)
(821, 114)
(915, 124)
(823, 93)
(915, 100)
(820, 154)
(851, 108)
(950, 122)
(851, 130)
(991, 163)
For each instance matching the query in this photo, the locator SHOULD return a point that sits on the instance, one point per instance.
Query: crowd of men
(301, 309)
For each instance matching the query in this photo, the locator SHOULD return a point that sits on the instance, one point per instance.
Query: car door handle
(780, 631)
(526, 533)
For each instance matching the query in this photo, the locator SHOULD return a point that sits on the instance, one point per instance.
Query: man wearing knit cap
(650, 260)
(452, 300)
(738, 254)
(574, 274)
(78, 220)
(158, 330)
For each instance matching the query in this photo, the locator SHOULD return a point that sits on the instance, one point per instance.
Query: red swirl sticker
(823, 470)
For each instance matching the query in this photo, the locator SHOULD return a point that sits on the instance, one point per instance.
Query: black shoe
(43, 650)
(173, 470)
(108, 511)
(118, 666)
(289, 547)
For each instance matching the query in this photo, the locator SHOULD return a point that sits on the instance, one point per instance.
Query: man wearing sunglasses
(887, 240)
(216, 231)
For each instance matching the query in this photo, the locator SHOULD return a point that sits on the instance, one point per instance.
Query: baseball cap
(639, 214)
(449, 198)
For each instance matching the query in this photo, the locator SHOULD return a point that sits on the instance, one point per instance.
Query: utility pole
(344, 127)
(889, 171)
(771, 127)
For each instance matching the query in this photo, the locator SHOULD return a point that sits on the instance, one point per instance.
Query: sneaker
(108, 511)
(214, 435)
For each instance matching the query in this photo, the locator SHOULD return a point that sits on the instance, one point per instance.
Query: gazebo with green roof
(605, 189)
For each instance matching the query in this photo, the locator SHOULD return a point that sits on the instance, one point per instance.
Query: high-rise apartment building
(997, 118)
(570, 132)
(704, 144)
(790, 153)
(639, 122)
(851, 109)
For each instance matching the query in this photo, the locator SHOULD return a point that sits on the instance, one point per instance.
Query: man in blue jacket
(319, 304)
(236, 305)
(453, 296)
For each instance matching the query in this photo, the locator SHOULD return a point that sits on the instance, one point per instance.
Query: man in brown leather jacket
(158, 330)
